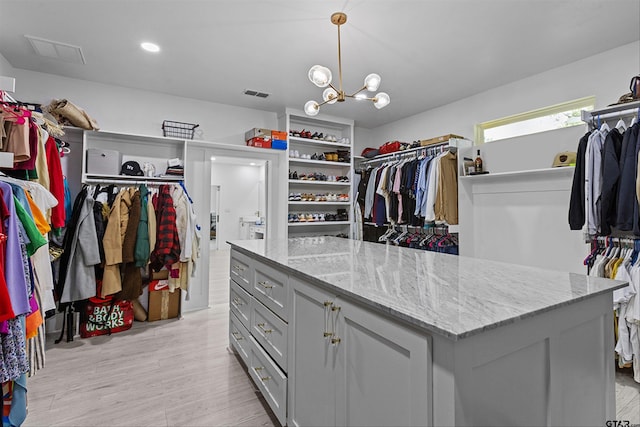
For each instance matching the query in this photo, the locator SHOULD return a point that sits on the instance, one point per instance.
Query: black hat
(131, 168)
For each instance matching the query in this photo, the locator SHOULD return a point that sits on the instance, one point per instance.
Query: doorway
(238, 200)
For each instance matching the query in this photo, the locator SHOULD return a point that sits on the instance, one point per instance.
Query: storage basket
(178, 129)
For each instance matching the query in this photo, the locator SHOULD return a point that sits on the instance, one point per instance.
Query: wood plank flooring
(174, 373)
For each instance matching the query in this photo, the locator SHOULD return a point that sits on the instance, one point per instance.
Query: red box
(259, 142)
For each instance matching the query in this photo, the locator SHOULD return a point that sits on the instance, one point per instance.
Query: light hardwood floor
(174, 373)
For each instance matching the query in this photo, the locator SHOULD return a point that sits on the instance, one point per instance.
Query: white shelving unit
(296, 120)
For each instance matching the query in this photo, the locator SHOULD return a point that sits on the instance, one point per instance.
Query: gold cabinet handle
(265, 285)
(327, 333)
(266, 331)
(238, 301)
(237, 336)
(238, 268)
(258, 369)
(335, 340)
(335, 308)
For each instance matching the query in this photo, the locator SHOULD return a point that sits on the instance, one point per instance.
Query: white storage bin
(103, 162)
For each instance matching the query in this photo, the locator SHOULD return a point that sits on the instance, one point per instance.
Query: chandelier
(321, 77)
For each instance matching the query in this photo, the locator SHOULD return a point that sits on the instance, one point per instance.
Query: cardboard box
(278, 144)
(162, 303)
(103, 162)
(257, 133)
(279, 134)
(439, 139)
(259, 142)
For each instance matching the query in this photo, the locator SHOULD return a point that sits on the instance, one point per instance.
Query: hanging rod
(410, 152)
(613, 112)
(130, 182)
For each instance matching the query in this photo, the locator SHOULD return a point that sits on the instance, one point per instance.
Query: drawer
(239, 338)
(240, 269)
(271, 287)
(240, 303)
(270, 331)
(270, 380)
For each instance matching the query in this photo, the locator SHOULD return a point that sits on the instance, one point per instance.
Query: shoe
(296, 154)
(291, 197)
(321, 217)
(321, 136)
(298, 197)
(315, 217)
(294, 175)
(309, 217)
(322, 157)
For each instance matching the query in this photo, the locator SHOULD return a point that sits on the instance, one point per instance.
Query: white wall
(121, 109)
(5, 68)
(240, 193)
(605, 76)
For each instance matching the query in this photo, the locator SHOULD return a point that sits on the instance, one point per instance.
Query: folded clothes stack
(175, 171)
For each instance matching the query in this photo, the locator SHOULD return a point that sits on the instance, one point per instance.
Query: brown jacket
(446, 206)
(113, 240)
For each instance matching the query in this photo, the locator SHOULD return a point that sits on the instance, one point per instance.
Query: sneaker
(294, 175)
(291, 197)
(309, 217)
(321, 217)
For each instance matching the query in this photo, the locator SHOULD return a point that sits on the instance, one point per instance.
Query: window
(558, 116)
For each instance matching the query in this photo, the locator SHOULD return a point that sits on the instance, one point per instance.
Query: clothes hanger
(621, 126)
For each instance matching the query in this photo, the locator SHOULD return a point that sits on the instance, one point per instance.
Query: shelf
(316, 223)
(306, 181)
(320, 162)
(523, 173)
(97, 176)
(307, 141)
(319, 203)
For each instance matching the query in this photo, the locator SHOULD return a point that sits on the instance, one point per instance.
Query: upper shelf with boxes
(111, 156)
(266, 138)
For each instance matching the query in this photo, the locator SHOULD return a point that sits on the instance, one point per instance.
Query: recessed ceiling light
(150, 47)
(252, 164)
(213, 158)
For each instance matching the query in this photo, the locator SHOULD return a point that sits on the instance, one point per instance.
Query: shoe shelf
(316, 223)
(311, 142)
(319, 162)
(315, 182)
(333, 136)
(320, 203)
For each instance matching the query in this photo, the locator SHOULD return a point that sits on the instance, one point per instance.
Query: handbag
(105, 316)
(389, 147)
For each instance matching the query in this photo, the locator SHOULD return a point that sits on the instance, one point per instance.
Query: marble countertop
(450, 295)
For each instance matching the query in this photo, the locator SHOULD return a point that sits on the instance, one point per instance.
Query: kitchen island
(350, 333)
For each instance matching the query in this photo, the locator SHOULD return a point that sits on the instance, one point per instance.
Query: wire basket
(178, 129)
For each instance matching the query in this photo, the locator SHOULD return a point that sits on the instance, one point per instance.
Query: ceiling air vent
(255, 93)
(56, 50)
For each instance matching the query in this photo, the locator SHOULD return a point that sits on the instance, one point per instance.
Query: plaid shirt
(167, 250)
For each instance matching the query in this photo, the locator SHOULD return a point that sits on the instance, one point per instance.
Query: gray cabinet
(258, 331)
(351, 367)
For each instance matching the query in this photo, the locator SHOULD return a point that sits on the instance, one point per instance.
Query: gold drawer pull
(265, 285)
(258, 369)
(238, 268)
(266, 331)
(237, 336)
(238, 301)
(335, 341)
(328, 334)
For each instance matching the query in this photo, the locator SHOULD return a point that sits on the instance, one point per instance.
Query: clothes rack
(151, 182)
(417, 151)
(629, 109)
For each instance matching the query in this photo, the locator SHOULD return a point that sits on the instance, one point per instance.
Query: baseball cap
(566, 158)
(131, 168)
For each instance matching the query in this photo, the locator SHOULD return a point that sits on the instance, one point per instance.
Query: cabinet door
(311, 357)
(383, 371)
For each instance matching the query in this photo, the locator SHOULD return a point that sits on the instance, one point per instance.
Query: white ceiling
(429, 53)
